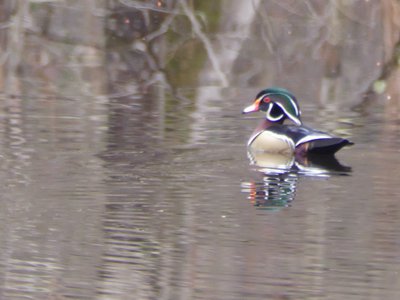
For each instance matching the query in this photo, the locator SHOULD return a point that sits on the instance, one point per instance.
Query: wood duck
(275, 137)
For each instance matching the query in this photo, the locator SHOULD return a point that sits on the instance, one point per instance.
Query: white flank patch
(313, 137)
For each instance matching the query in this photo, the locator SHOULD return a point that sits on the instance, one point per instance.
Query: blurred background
(332, 53)
(123, 161)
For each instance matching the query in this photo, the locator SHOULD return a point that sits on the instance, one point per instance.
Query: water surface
(125, 170)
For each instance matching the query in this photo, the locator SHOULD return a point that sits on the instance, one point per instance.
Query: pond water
(118, 184)
(93, 210)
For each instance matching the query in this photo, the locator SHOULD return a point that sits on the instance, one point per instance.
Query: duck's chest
(272, 142)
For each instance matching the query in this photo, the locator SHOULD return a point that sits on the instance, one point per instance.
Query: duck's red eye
(267, 100)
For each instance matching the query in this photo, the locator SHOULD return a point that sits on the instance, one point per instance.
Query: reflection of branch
(286, 6)
(311, 9)
(267, 33)
(346, 12)
(206, 42)
(5, 25)
(162, 30)
(143, 6)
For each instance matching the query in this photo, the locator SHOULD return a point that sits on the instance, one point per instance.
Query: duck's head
(279, 104)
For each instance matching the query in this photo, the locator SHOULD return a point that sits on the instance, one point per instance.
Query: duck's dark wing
(327, 146)
(314, 141)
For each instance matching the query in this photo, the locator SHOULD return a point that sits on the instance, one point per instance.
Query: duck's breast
(272, 142)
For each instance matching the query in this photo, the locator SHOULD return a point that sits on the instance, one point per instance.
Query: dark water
(123, 180)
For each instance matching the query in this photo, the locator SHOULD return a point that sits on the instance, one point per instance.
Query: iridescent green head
(279, 104)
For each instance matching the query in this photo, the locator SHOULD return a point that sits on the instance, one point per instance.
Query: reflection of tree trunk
(391, 26)
(391, 30)
(331, 50)
(331, 56)
(238, 15)
(390, 73)
(15, 45)
(392, 107)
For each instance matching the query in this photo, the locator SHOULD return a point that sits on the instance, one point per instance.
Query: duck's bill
(252, 108)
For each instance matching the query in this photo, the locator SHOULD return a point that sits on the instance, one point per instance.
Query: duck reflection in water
(280, 174)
